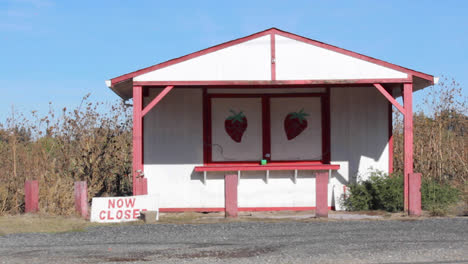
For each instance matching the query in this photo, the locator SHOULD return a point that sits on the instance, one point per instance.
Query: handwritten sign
(121, 209)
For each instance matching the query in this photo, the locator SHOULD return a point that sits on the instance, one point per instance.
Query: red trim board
(291, 83)
(241, 209)
(156, 100)
(389, 97)
(272, 32)
(234, 167)
(390, 138)
(273, 57)
(137, 135)
(408, 139)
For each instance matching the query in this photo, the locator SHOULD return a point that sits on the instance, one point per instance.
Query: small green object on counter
(263, 162)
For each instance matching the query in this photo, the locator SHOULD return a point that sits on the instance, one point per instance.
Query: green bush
(380, 192)
(438, 197)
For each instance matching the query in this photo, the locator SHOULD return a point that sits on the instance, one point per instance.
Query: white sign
(121, 209)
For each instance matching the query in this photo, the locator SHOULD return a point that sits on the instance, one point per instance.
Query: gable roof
(268, 56)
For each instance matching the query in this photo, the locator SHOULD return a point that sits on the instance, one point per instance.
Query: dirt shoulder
(37, 223)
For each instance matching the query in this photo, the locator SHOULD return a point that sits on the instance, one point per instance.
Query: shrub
(358, 199)
(438, 197)
(380, 192)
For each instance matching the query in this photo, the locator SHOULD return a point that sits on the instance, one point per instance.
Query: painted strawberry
(295, 123)
(235, 125)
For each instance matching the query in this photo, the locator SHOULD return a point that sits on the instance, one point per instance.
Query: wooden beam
(250, 84)
(321, 194)
(157, 99)
(137, 137)
(389, 97)
(408, 139)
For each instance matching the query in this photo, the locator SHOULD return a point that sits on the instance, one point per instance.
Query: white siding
(174, 146)
(249, 60)
(359, 132)
(297, 60)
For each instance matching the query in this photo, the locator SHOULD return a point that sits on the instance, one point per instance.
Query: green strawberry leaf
(236, 117)
(298, 115)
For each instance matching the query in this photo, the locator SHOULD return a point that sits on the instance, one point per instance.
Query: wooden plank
(408, 139)
(273, 57)
(321, 194)
(31, 199)
(137, 136)
(266, 167)
(389, 98)
(81, 198)
(275, 82)
(230, 192)
(156, 100)
(414, 205)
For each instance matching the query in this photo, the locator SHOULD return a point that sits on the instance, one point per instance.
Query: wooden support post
(142, 186)
(31, 196)
(414, 194)
(390, 138)
(137, 136)
(156, 100)
(321, 194)
(81, 198)
(408, 138)
(230, 195)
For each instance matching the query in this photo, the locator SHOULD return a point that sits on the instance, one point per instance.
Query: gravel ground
(436, 240)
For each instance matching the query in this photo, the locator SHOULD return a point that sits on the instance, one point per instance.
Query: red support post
(31, 199)
(81, 198)
(230, 195)
(141, 186)
(144, 186)
(414, 194)
(390, 138)
(321, 194)
(137, 136)
(408, 139)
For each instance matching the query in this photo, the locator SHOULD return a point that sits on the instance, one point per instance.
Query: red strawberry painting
(295, 123)
(235, 125)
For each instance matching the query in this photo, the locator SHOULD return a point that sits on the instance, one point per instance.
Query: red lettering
(120, 203)
(102, 215)
(136, 213)
(127, 214)
(130, 202)
(109, 215)
(111, 203)
(119, 214)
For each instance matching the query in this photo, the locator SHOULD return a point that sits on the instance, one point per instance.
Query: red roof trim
(354, 54)
(264, 33)
(271, 83)
(190, 56)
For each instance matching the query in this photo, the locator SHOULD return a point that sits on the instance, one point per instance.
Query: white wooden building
(316, 114)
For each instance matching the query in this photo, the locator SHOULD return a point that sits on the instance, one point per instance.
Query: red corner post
(137, 137)
(31, 196)
(81, 198)
(408, 139)
(415, 194)
(230, 193)
(321, 194)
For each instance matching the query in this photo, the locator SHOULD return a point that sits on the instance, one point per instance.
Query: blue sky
(58, 51)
